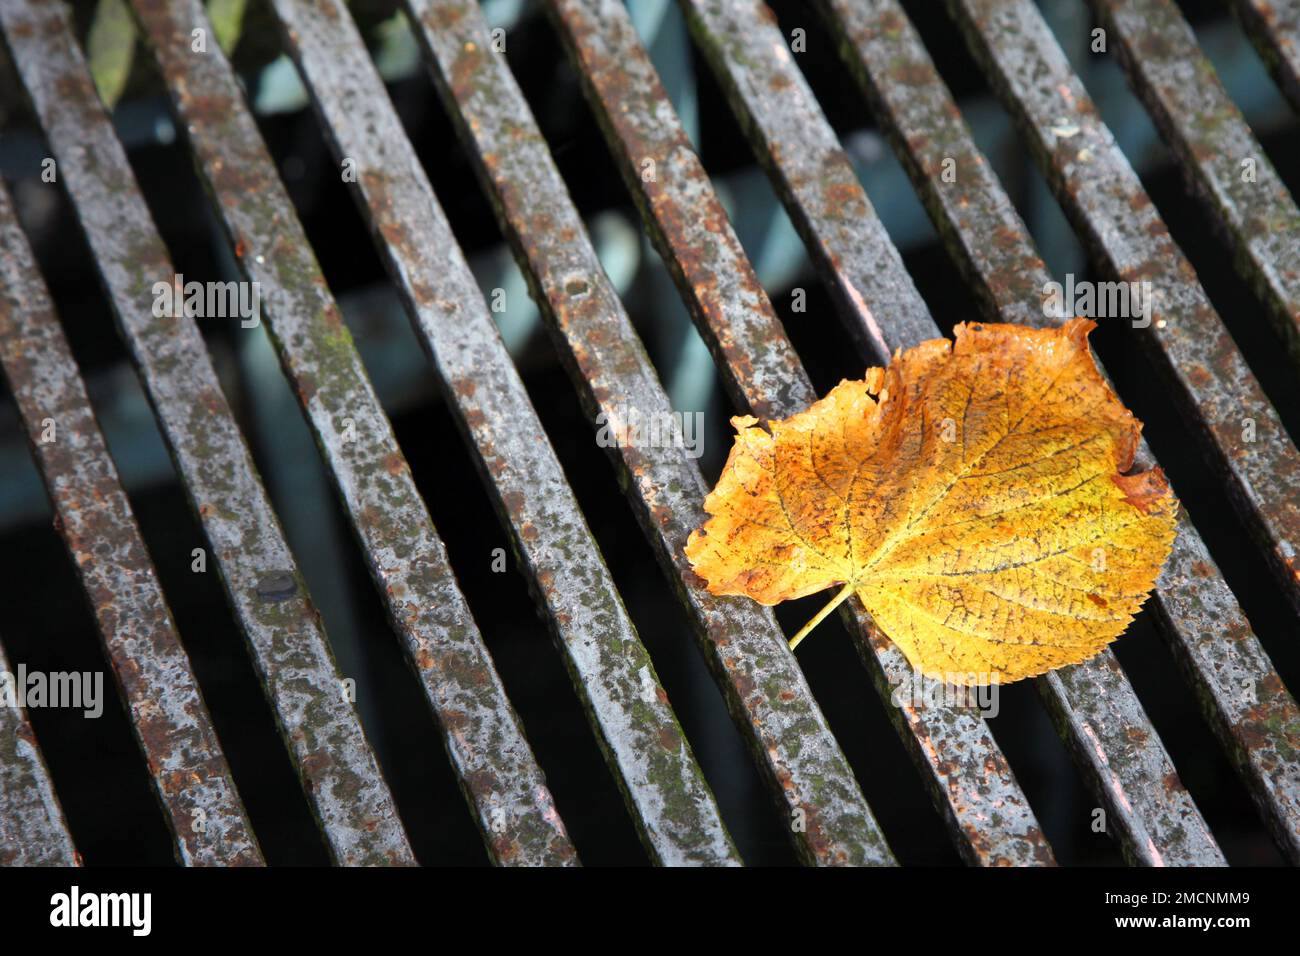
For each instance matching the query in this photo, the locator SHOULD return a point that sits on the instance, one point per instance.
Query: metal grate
(1117, 751)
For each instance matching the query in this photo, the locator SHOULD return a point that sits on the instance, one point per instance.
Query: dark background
(47, 624)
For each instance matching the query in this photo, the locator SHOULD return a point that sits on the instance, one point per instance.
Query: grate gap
(1243, 567)
(855, 712)
(394, 712)
(1197, 234)
(1202, 765)
(1050, 779)
(949, 298)
(664, 628)
(100, 780)
(244, 723)
(525, 655)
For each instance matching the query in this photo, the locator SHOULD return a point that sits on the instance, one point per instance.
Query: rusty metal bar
(32, 829)
(965, 771)
(1094, 706)
(907, 97)
(1241, 432)
(612, 672)
(170, 720)
(1274, 28)
(503, 784)
(811, 173)
(762, 683)
(1215, 146)
(1238, 689)
(326, 742)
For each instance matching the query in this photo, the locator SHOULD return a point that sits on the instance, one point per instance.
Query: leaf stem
(835, 602)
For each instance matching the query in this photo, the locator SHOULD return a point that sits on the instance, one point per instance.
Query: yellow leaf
(972, 494)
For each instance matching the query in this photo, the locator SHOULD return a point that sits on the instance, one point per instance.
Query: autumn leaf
(973, 495)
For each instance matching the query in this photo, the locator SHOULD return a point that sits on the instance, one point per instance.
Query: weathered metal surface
(1229, 170)
(685, 219)
(32, 829)
(883, 51)
(612, 672)
(763, 685)
(1274, 27)
(340, 776)
(501, 779)
(1102, 195)
(1242, 696)
(813, 175)
(1236, 684)
(1124, 762)
(1096, 709)
(966, 772)
(970, 781)
(92, 514)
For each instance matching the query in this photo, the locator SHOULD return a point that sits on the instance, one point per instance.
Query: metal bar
(1242, 434)
(504, 785)
(967, 774)
(811, 173)
(342, 781)
(1235, 683)
(1274, 28)
(1215, 146)
(1097, 711)
(170, 721)
(611, 669)
(1251, 711)
(908, 98)
(764, 688)
(32, 829)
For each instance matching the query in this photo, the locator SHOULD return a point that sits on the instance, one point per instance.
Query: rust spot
(913, 74)
(839, 195)
(394, 233)
(332, 317)
(315, 764)
(305, 385)
(892, 22)
(443, 16)
(514, 502)
(423, 294)
(213, 401)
